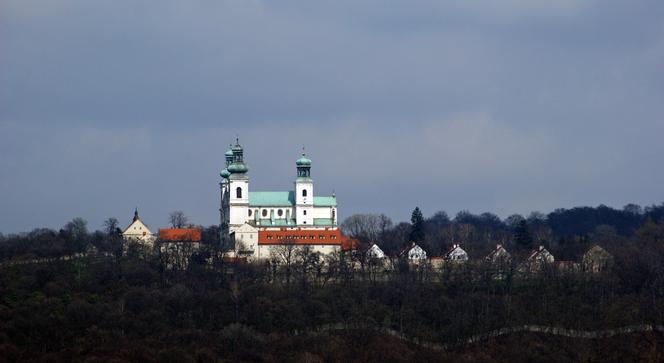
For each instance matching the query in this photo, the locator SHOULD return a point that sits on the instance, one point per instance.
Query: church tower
(238, 188)
(224, 208)
(304, 192)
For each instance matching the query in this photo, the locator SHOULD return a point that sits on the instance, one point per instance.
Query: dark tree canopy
(522, 237)
(438, 220)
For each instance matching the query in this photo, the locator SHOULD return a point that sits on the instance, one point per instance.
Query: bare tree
(539, 229)
(285, 256)
(366, 227)
(177, 219)
(308, 264)
(77, 228)
(111, 226)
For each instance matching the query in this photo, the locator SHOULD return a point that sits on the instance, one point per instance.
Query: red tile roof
(180, 234)
(348, 244)
(306, 237)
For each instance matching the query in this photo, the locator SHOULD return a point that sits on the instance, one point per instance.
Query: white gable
(136, 229)
(546, 256)
(542, 255)
(457, 254)
(500, 254)
(245, 228)
(375, 252)
(245, 238)
(417, 253)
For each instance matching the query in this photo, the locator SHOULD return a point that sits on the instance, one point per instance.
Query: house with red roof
(177, 245)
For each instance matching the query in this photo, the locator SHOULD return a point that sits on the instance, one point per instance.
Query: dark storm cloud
(504, 106)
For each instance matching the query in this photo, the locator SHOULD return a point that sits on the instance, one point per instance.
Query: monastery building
(257, 223)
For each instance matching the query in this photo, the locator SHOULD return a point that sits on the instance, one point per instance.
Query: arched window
(249, 212)
(280, 212)
(238, 192)
(264, 212)
(304, 192)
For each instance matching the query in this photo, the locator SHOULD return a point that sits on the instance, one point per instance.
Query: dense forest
(124, 308)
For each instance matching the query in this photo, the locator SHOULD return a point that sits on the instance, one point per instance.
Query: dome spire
(135, 214)
(237, 165)
(303, 165)
(228, 155)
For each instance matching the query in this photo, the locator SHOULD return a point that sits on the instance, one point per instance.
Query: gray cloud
(443, 104)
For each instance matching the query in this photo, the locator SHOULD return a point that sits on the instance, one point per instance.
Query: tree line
(131, 309)
(566, 232)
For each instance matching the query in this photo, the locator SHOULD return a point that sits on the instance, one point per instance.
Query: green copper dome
(229, 157)
(225, 173)
(303, 161)
(238, 168)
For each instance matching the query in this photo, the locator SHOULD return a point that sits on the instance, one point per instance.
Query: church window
(264, 212)
(304, 192)
(304, 212)
(238, 192)
(280, 212)
(312, 237)
(249, 212)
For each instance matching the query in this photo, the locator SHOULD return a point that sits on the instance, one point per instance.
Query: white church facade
(137, 231)
(255, 222)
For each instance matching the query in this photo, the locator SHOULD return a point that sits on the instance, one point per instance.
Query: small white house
(137, 231)
(499, 256)
(245, 240)
(541, 256)
(413, 252)
(375, 252)
(456, 254)
(537, 260)
(597, 259)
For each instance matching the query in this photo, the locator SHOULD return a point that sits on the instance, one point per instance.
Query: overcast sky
(504, 106)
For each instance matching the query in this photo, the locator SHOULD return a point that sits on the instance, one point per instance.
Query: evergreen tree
(417, 226)
(522, 237)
